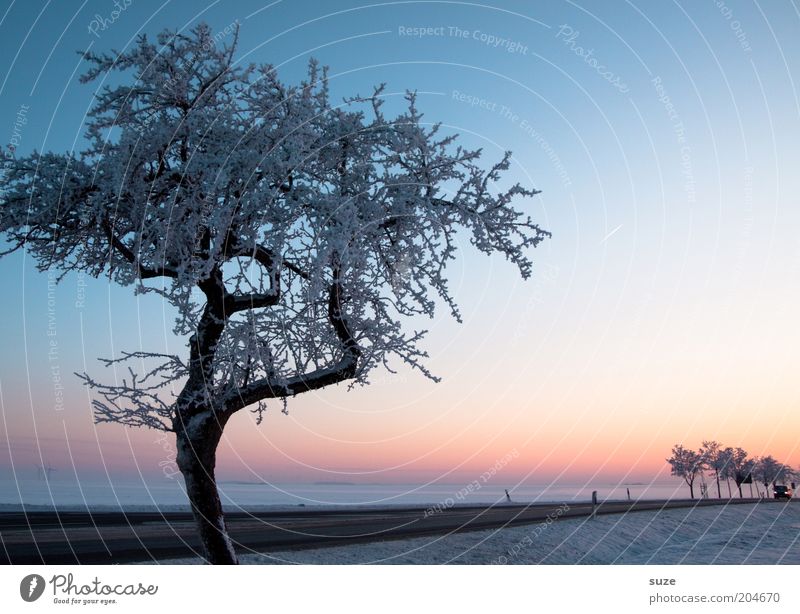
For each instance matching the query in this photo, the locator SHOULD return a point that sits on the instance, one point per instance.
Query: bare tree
(686, 464)
(292, 236)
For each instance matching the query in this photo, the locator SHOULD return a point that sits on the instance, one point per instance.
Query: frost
(292, 236)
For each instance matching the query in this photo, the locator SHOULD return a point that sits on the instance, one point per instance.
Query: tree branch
(345, 368)
(255, 300)
(260, 254)
(142, 271)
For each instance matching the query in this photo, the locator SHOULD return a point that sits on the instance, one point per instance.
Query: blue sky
(663, 136)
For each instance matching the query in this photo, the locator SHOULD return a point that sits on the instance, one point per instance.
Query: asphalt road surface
(117, 537)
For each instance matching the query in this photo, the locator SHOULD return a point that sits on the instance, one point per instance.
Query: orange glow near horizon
(662, 310)
(572, 408)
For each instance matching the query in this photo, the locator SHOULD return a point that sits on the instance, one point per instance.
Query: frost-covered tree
(738, 467)
(784, 475)
(768, 471)
(714, 460)
(686, 464)
(291, 235)
(725, 471)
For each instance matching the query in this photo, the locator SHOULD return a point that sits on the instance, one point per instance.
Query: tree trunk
(740, 490)
(691, 490)
(197, 440)
(719, 492)
(728, 484)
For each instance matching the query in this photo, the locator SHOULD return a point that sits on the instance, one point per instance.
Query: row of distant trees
(729, 465)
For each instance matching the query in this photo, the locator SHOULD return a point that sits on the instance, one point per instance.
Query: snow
(118, 492)
(765, 533)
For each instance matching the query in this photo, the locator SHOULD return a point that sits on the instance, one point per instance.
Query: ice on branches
(291, 235)
(139, 400)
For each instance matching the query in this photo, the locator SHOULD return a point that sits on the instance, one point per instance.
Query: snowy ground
(765, 533)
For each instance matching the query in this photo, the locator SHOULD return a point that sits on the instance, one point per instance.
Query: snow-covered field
(116, 493)
(765, 533)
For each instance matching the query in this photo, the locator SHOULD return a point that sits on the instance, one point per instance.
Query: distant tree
(292, 236)
(739, 467)
(768, 471)
(750, 469)
(686, 464)
(713, 460)
(726, 461)
(794, 479)
(785, 474)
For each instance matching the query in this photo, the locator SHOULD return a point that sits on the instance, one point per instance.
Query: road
(116, 537)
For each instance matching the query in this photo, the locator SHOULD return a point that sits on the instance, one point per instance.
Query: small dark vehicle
(782, 492)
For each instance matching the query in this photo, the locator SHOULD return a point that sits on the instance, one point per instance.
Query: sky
(663, 310)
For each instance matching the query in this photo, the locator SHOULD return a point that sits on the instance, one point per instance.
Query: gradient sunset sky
(664, 309)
